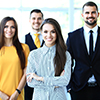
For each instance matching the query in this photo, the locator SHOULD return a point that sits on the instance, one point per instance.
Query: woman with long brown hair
(13, 61)
(49, 67)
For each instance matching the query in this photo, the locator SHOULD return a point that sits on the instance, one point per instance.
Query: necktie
(37, 41)
(91, 44)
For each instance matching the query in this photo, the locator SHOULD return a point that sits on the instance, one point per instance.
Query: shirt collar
(86, 29)
(47, 49)
(32, 32)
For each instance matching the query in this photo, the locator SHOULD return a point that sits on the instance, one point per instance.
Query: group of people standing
(44, 67)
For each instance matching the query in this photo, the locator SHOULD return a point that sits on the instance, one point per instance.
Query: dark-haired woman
(49, 67)
(13, 61)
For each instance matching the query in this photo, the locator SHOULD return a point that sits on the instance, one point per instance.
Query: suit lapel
(83, 42)
(97, 44)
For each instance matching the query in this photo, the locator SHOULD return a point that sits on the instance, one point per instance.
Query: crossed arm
(38, 78)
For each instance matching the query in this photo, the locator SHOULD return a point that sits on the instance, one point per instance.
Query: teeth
(49, 39)
(9, 33)
(36, 24)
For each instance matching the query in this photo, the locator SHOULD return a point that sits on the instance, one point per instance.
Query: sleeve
(60, 80)
(68, 43)
(26, 52)
(31, 69)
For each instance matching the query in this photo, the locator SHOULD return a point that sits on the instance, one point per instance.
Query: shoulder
(77, 31)
(75, 34)
(27, 34)
(35, 55)
(68, 54)
(99, 28)
(25, 46)
(36, 52)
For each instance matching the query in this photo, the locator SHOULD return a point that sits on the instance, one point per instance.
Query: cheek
(96, 16)
(4, 32)
(55, 36)
(84, 16)
(44, 35)
(32, 21)
(40, 21)
(13, 30)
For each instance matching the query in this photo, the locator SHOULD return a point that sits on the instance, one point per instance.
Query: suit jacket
(84, 67)
(30, 42)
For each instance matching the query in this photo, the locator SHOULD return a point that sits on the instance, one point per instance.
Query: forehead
(48, 26)
(36, 15)
(10, 22)
(89, 8)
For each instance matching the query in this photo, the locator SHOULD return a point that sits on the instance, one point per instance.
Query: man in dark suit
(84, 47)
(36, 18)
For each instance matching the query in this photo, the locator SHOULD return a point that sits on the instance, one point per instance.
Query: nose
(9, 29)
(49, 34)
(36, 20)
(90, 14)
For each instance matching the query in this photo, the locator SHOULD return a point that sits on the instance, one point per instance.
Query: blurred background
(66, 12)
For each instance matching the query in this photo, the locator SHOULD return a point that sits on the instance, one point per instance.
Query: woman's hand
(62, 73)
(4, 96)
(33, 75)
(14, 96)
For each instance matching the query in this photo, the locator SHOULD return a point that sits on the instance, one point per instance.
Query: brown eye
(12, 27)
(53, 31)
(33, 18)
(6, 26)
(86, 12)
(45, 31)
(39, 18)
(93, 12)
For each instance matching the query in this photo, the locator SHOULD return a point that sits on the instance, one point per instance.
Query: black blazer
(84, 68)
(30, 42)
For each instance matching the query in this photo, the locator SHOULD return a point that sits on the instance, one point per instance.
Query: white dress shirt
(86, 36)
(41, 62)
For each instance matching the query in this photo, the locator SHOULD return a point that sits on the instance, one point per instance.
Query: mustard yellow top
(10, 70)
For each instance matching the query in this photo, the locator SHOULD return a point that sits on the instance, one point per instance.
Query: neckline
(8, 46)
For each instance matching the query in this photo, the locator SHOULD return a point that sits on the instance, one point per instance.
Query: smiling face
(35, 20)
(49, 34)
(90, 16)
(9, 30)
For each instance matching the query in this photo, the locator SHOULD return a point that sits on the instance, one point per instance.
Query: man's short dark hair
(36, 11)
(90, 3)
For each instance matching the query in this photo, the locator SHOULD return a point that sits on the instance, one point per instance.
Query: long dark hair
(16, 42)
(60, 57)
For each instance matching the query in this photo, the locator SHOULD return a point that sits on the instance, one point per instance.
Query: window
(57, 9)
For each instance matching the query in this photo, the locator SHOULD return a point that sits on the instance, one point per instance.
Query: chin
(36, 28)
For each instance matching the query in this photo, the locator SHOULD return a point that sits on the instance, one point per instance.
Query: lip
(9, 34)
(91, 20)
(37, 25)
(49, 39)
